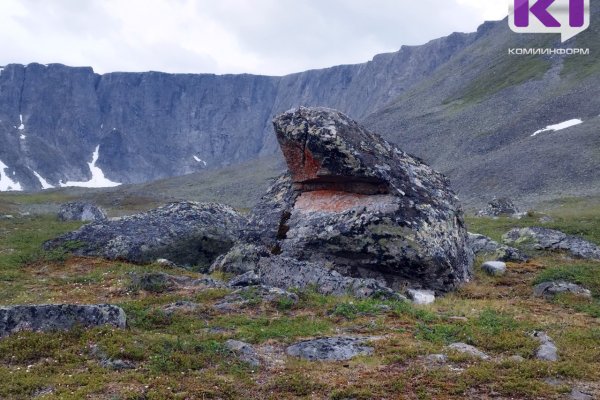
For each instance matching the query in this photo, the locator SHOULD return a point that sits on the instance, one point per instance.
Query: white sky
(273, 37)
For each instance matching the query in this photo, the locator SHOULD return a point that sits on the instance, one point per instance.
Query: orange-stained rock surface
(301, 162)
(338, 201)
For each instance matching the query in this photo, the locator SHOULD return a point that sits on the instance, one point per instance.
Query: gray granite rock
(330, 349)
(483, 245)
(421, 297)
(187, 233)
(358, 202)
(241, 258)
(551, 289)
(536, 238)
(80, 211)
(244, 351)
(502, 207)
(468, 349)
(547, 351)
(58, 317)
(494, 268)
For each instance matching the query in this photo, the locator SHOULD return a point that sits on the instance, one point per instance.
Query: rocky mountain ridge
(461, 103)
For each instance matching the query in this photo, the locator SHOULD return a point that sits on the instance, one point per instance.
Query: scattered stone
(240, 259)
(45, 391)
(185, 307)
(551, 289)
(358, 202)
(165, 263)
(187, 233)
(110, 363)
(58, 317)
(460, 319)
(253, 295)
(290, 273)
(6, 216)
(244, 351)
(536, 238)
(80, 211)
(468, 349)
(249, 278)
(577, 394)
(437, 358)
(481, 244)
(546, 219)
(421, 297)
(330, 349)
(547, 351)
(516, 358)
(502, 207)
(494, 268)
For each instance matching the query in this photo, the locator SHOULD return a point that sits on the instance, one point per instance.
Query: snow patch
(98, 179)
(22, 126)
(7, 184)
(1, 69)
(200, 160)
(43, 182)
(558, 127)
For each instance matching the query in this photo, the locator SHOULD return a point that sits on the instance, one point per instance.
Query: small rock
(546, 219)
(254, 294)
(110, 363)
(244, 351)
(58, 317)
(421, 297)
(330, 349)
(460, 319)
(494, 268)
(249, 278)
(547, 350)
(576, 394)
(240, 259)
(502, 207)
(516, 359)
(7, 216)
(551, 289)
(165, 263)
(468, 349)
(437, 358)
(81, 211)
(481, 245)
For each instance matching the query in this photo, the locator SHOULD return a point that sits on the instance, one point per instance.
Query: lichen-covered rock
(421, 297)
(481, 244)
(547, 351)
(468, 349)
(551, 289)
(536, 238)
(502, 207)
(158, 282)
(252, 295)
(240, 259)
(289, 273)
(244, 352)
(80, 211)
(58, 317)
(330, 349)
(187, 233)
(361, 204)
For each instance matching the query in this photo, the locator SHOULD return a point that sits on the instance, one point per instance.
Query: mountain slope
(461, 102)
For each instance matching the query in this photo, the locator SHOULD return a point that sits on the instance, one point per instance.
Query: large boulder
(58, 317)
(359, 203)
(80, 211)
(187, 233)
(536, 238)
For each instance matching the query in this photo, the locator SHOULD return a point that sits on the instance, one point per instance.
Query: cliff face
(154, 125)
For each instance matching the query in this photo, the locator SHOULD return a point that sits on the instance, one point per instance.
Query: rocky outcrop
(80, 211)
(187, 233)
(355, 201)
(58, 317)
(536, 238)
(483, 245)
(502, 207)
